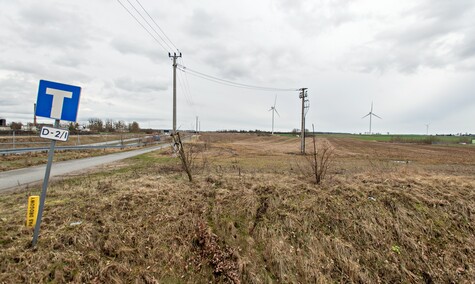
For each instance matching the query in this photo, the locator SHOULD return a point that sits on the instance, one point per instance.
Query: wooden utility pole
(174, 56)
(303, 95)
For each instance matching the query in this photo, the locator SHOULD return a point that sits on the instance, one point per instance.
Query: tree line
(94, 125)
(110, 125)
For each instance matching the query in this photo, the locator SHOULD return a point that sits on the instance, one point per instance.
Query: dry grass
(250, 217)
(33, 140)
(23, 160)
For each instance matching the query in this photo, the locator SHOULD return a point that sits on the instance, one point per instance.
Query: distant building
(3, 125)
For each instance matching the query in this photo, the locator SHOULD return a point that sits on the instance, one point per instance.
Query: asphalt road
(21, 178)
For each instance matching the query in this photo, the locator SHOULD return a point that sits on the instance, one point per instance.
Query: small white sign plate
(54, 133)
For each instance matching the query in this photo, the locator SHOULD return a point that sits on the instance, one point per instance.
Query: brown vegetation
(387, 213)
(21, 160)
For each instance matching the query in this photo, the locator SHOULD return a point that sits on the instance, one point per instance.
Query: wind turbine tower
(370, 114)
(274, 110)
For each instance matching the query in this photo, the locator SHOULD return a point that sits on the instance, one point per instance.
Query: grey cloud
(70, 60)
(13, 87)
(36, 71)
(41, 26)
(444, 10)
(205, 24)
(314, 17)
(139, 86)
(22, 66)
(467, 48)
(430, 42)
(440, 108)
(128, 47)
(7, 101)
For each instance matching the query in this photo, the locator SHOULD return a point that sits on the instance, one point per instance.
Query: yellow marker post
(32, 210)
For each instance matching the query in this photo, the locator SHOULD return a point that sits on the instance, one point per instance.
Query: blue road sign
(58, 101)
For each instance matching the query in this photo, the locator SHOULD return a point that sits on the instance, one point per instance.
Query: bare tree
(73, 127)
(16, 125)
(96, 124)
(120, 125)
(187, 157)
(109, 125)
(134, 126)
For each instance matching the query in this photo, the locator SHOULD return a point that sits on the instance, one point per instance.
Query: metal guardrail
(106, 145)
(85, 147)
(21, 143)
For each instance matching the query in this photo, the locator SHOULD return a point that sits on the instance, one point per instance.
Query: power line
(229, 83)
(185, 93)
(187, 83)
(224, 83)
(130, 13)
(157, 25)
(212, 80)
(148, 23)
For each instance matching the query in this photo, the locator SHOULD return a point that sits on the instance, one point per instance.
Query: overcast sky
(414, 59)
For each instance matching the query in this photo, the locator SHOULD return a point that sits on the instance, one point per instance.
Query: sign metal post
(61, 102)
(44, 188)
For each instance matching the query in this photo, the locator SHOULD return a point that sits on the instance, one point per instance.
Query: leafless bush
(322, 159)
(188, 156)
(319, 161)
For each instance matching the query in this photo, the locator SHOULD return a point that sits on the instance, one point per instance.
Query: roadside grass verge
(145, 223)
(24, 160)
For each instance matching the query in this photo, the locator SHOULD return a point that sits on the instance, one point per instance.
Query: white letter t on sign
(58, 99)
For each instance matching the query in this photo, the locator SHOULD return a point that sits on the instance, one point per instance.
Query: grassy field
(400, 138)
(387, 213)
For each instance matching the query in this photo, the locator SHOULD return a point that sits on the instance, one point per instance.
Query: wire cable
(187, 95)
(148, 23)
(187, 98)
(130, 13)
(187, 83)
(230, 83)
(157, 25)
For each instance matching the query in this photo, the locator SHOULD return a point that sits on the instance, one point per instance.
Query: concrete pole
(175, 56)
(174, 93)
(303, 95)
(196, 125)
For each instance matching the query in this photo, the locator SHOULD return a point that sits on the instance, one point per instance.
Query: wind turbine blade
(366, 115)
(275, 100)
(371, 107)
(270, 109)
(377, 116)
(277, 112)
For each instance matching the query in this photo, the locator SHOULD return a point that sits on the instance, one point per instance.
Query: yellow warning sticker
(32, 210)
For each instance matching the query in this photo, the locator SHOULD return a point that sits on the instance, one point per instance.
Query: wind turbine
(370, 114)
(273, 109)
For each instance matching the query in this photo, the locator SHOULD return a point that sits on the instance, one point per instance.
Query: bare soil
(386, 213)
